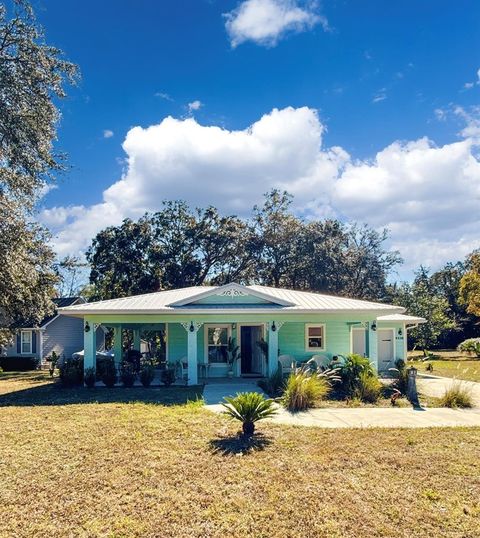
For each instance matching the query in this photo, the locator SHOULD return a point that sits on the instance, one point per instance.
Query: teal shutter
(34, 341)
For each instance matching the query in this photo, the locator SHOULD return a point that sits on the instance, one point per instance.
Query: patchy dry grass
(449, 364)
(145, 469)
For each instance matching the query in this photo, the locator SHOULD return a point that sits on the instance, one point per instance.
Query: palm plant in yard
(248, 408)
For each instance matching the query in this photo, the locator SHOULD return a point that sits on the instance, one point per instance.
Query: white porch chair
(182, 366)
(321, 361)
(287, 363)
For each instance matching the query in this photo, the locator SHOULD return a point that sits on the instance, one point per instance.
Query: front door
(386, 352)
(250, 353)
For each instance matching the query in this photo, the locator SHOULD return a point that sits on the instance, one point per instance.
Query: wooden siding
(291, 339)
(176, 342)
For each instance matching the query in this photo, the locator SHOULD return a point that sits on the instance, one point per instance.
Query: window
(26, 341)
(217, 342)
(315, 337)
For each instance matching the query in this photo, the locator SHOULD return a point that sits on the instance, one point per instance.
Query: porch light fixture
(274, 327)
(87, 327)
(192, 328)
(374, 326)
(400, 332)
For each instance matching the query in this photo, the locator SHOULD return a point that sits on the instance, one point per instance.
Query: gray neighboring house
(61, 334)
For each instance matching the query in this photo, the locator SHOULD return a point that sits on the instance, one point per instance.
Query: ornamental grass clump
(274, 384)
(458, 395)
(305, 388)
(368, 387)
(248, 408)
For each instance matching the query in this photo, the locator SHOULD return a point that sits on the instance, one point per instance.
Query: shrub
(471, 345)
(401, 374)
(457, 395)
(128, 374)
(71, 372)
(53, 360)
(101, 362)
(18, 364)
(304, 389)
(274, 384)
(350, 373)
(368, 388)
(109, 374)
(248, 408)
(90, 377)
(147, 374)
(168, 376)
(134, 357)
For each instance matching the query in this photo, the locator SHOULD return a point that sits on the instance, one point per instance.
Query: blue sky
(348, 79)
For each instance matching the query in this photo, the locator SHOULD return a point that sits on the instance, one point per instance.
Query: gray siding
(11, 351)
(64, 335)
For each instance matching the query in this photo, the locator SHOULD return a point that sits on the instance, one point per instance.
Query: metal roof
(180, 301)
(60, 302)
(404, 318)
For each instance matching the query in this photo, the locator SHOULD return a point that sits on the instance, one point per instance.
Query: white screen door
(359, 342)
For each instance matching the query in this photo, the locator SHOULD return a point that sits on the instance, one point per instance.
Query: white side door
(386, 349)
(359, 341)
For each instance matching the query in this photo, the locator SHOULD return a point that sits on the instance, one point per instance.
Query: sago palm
(248, 408)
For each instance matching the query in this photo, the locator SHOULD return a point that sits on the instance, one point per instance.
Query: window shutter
(19, 343)
(34, 341)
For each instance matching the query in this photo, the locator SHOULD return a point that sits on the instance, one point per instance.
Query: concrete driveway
(435, 386)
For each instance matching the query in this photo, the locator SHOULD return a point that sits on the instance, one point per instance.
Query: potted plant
(232, 355)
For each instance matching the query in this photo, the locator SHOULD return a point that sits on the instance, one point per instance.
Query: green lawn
(449, 364)
(122, 469)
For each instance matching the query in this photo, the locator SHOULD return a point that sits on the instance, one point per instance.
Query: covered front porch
(200, 349)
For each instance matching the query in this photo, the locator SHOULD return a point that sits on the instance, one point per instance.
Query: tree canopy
(421, 299)
(32, 75)
(179, 246)
(469, 289)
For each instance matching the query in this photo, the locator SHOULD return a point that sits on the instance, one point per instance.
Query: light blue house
(198, 322)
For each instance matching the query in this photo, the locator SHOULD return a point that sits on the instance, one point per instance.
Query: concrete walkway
(432, 385)
(214, 392)
(361, 417)
(375, 417)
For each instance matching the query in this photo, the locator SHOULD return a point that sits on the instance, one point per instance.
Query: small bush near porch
(140, 469)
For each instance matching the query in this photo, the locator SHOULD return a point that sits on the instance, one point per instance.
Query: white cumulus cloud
(194, 105)
(265, 21)
(107, 133)
(470, 85)
(427, 195)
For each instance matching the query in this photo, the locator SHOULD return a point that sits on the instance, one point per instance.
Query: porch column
(136, 339)
(117, 344)
(372, 344)
(192, 359)
(272, 347)
(89, 345)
